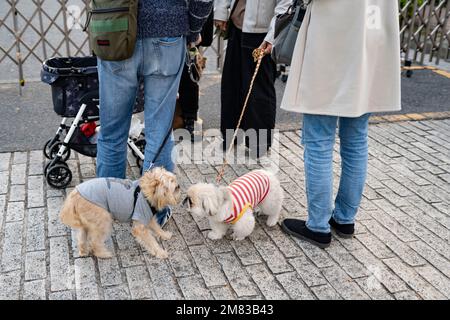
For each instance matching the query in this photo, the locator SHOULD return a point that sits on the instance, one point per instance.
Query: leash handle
(258, 55)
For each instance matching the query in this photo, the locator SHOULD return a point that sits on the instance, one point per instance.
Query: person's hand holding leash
(267, 47)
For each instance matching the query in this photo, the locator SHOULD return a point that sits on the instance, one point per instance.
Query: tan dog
(93, 205)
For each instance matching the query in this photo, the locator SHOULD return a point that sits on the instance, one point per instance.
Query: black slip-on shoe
(298, 229)
(343, 230)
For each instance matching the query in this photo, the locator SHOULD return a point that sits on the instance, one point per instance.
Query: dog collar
(241, 214)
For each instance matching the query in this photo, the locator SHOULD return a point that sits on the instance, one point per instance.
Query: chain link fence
(34, 30)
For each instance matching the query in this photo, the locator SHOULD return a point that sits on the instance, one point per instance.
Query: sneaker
(343, 230)
(298, 229)
(163, 216)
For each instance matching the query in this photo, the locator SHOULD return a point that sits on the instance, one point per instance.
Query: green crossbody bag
(112, 28)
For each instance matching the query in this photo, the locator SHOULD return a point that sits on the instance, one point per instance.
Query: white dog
(233, 206)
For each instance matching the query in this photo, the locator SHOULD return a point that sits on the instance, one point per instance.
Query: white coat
(346, 60)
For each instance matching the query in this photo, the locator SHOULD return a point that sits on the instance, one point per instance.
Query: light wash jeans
(318, 138)
(159, 61)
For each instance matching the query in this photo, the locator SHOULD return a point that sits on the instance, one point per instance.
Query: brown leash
(258, 55)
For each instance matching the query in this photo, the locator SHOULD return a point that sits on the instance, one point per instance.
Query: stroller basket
(81, 144)
(72, 78)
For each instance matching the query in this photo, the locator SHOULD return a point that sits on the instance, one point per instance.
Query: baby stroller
(75, 94)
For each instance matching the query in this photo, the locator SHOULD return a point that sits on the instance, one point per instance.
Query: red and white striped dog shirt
(247, 191)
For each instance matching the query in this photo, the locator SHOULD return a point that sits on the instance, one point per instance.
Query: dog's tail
(68, 214)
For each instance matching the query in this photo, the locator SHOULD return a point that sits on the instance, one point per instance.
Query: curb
(410, 117)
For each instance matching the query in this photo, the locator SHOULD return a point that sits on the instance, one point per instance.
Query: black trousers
(238, 70)
(189, 90)
(188, 96)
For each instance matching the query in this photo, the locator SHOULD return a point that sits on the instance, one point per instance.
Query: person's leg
(261, 109)
(162, 67)
(188, 96)
(353, 133)
(318, 138)
(231, 92)
(118, 87)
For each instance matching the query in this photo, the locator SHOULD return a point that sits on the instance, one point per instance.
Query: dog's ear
(224, 193)
(208, 206)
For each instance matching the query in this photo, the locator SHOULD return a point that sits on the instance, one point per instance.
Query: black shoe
(298, 229)
(343, 230)
(189, 125)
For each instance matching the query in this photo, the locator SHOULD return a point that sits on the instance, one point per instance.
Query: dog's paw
(214, 236)
(103, 254)
(166, 235)
(272, 222)
(161, 254)
(83, 252)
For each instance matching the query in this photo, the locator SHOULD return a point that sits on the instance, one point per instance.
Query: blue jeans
(159, 61)
(318, 138)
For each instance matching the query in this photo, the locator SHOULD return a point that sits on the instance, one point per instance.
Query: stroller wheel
(53, 163)
(54, 149)
(47, 147)
(59, 176)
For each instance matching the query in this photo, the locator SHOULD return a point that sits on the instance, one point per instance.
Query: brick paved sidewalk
(401, 249)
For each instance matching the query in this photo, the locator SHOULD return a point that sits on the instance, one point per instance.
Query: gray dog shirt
(117, 197)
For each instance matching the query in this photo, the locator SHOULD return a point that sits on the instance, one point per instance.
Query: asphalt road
(27, 121)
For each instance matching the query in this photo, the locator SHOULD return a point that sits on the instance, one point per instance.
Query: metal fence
(34, 30)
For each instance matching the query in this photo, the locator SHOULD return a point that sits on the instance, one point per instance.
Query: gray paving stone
(35, 237)
(417, 283)
(36, 165)
(35, 265)
(17, 193)
(223, 293)
(269, 251)
(35, 191)
(85, 280)
(55, 227)
(15, 211)
(139, 283)
(283, 243)
(166, 287)
(5, 159)
(326, 292)
(60, 295)
(18, 174)
(109, 270)
(34, 290)
(348, 289)
(208, 266)
(10, 284)
(431, 256)
(407, 295)
(320, 257)
(266, 282)
(374, 288)
(61, 272)
(379, 270)
(246, 252)
(193, 288)
(294, 286)
(309, 273)
(11, 258)
(377, 247)
(117, 293)
(236, 275)
(437, 279)
(401, 249)
(131, 257)
(346, 261)
(20, 157)
(188, 229)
